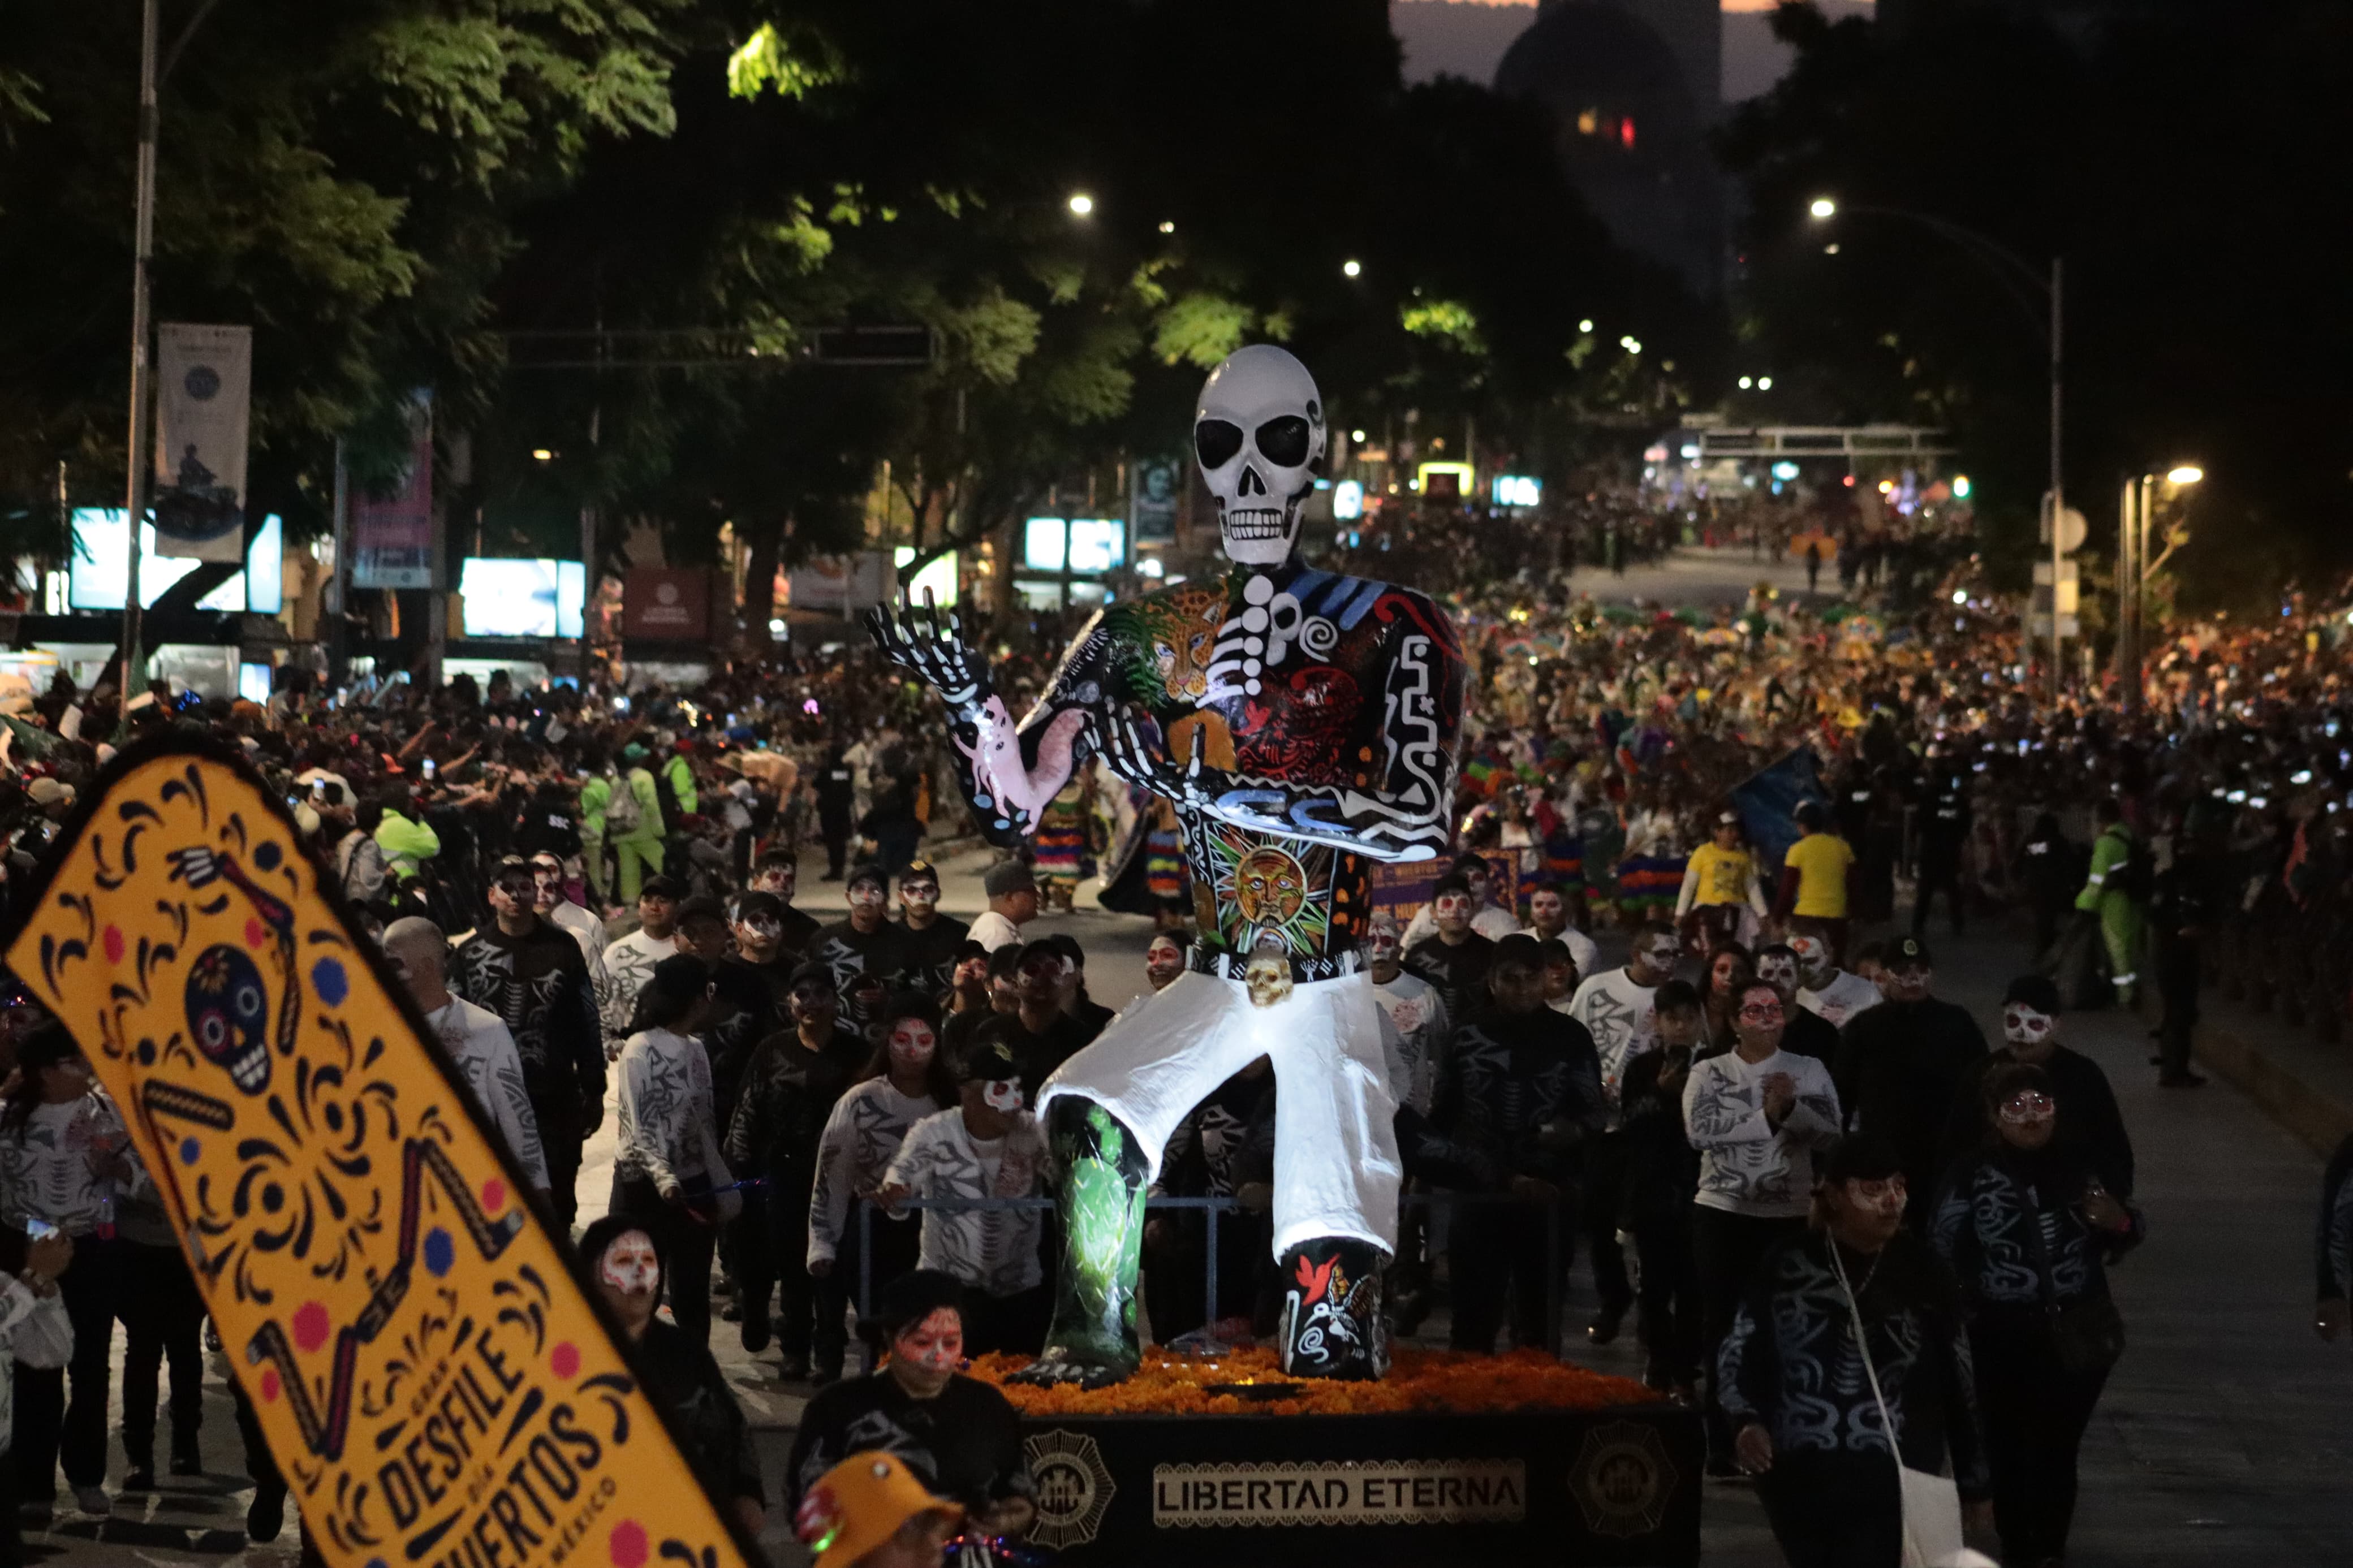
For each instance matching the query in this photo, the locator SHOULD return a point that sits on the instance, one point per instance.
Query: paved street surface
(2224, 1436)
(1698, 577)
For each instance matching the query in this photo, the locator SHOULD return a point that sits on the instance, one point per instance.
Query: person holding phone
(63, 1154)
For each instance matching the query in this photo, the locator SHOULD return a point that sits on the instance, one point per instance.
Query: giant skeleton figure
(1302, 725)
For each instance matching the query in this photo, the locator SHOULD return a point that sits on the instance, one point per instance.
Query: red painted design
(565, 1359)
(1314, 1279)
(312, 1325)
(627, 1545)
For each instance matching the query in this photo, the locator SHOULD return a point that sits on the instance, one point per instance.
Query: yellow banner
(434, 1385)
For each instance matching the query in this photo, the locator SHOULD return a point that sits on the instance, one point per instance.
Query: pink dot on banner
(565, 1359)
(269, 1384)
(310, 1325)
(629, 1544)
(253, 934)
(113, 944)
(494, 1194)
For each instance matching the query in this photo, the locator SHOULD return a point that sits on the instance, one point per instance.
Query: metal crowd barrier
(1212, 1207)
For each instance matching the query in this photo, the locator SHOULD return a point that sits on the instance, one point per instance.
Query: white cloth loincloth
(1336, 1169)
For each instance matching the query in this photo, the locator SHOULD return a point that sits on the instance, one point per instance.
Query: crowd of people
(1780, 1153)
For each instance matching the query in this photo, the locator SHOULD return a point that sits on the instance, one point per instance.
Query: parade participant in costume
(1615, 1009)
(1164, 960)
(629, 960)
(1805, 1033)
(1548, 911)
(1488, 918)
(777, 872)
(1012, 904)
(1453, 960)
(2093, 1130)
(1834, 995)
(1662, 1179)
(1316, 733)
(928, 939)
(869, 1511)
(865, 943)
(960, 1437)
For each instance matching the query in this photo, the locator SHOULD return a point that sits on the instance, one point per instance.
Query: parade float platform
(1451, 1459)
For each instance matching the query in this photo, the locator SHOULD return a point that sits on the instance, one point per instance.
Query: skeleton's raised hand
(929, 646)
(1145, 760)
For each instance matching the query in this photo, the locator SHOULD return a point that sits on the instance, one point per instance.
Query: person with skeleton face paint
(1488, 918)
(2093, 1131)
(988, 1147)
(2028, 1230)
(1453, 962)
(1834, 995)
(1757, 1114)
(1251, 704)
(957, 1434)
(928, 938)
(866, 944)
(1548, 922)
(1808, 1428)
(1802, 1032)
(621, 1264)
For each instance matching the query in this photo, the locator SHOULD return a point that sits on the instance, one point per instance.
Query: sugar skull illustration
(228, 1010)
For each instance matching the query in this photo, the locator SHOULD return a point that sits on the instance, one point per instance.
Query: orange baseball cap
(861, 1503)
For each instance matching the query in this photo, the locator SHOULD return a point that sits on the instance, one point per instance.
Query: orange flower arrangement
(1424, 1381)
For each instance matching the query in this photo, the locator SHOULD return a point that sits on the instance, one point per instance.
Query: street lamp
(2010, 268)
(1351, 269)
(2133, 569)
(1082, 204)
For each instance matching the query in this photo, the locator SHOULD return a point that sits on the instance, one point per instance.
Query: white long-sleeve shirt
(1623, 1020)
(1748, 1166)
(1414, 1006)
(34, 1330)
(668, 1127)
(993, 1250)
(589, 932)
(1838, 1003)
(478, 1041)
(864, 1133)
(628, 964)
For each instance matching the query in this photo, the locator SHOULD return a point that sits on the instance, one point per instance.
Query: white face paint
(1544, 909)
(2028, 1109)
(1451, 910)
(1813, 958)
(867, 896)
(1257, 434)
(1661, 953)
(1003, 1094)
(1778, 969)
(630, 1263)
(912, 1044)
(2022, 1026)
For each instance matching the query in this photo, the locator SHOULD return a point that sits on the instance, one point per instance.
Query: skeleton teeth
(1254, 523)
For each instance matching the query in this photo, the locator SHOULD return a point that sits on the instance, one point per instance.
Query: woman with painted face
(907, 1079)
(63, 1154)
(2093, 1130)
(988, 1147)
(669, 1175)
(960, 1437)
(1164, 960)
(620, 1263)
(1806, 1421)
(2028, 1230)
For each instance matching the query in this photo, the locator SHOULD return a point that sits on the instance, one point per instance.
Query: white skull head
(1258, 434)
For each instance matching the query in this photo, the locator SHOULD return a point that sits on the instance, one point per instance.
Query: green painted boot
(1093, 1341)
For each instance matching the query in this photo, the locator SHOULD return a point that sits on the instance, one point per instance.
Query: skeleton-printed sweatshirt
(667, 1131)
(35, 1331)
(63, 1164)
(1746, 1166)
(537, 985)
(862, 1136)
(2006, 1215)
(992, 1250)
(1792, 1364)
(480, 1048)
(1519, 1094)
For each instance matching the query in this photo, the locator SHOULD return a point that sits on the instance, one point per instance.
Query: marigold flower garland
(1429, 1382)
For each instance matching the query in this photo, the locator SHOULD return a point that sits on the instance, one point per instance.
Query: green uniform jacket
(406, 845)
(2111, 849)
(594, 794)
(649, 829)
(681, 785)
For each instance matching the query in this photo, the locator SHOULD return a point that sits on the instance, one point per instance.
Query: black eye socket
(1284, 441)
(1216, 441)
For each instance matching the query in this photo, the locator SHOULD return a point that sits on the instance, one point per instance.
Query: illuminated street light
(1166, 227)
(1764, 383)
(1082, 204)
(542, 455)
(1585, 325)
(1960, 487)
(1823, 207)
(2187, 474)
(1746, 381)
(1629, 343)
(1831, 249)
(1351, 269)
(1355, 435)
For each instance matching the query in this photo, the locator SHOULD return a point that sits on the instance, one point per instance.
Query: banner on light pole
(204, 406)
(392, 539)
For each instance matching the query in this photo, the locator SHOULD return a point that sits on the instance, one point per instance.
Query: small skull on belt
(1267, 973)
